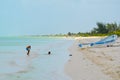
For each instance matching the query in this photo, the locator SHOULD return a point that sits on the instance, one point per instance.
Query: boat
(109, 41)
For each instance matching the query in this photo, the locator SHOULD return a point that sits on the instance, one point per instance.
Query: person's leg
(28, 52)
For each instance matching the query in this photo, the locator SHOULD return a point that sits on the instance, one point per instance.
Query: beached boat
(109, 41)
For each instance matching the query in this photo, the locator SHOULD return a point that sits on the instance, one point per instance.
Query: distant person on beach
(28, 49)
(49, 52)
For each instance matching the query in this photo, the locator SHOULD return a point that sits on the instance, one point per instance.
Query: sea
(16, 65)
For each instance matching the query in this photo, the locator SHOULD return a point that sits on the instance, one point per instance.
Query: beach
(66, 62)
(95, 63)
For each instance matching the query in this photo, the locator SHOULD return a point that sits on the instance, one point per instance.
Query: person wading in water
(28, 49)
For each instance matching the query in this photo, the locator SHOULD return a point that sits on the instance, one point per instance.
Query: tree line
(102, 29)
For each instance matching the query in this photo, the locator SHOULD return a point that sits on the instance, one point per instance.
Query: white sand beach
(96, 63)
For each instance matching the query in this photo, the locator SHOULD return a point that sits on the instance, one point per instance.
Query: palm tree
(101, 28)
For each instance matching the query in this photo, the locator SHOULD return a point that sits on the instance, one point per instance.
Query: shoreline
(93, 63)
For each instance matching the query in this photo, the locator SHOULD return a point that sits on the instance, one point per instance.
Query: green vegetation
(102, 29)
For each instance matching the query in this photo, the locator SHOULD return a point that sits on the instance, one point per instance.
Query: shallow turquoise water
(16, 65)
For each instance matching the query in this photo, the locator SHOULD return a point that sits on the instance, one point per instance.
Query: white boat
(106, 41)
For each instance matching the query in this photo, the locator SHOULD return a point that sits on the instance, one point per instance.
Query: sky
(43, 17)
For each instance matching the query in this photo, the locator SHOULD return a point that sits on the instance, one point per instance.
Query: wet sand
(96, 63)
